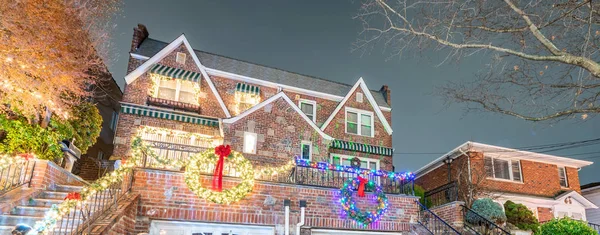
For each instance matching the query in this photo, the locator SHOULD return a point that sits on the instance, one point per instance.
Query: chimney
(387, 93)
(139, 34)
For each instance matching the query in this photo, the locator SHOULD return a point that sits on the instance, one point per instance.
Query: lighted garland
(349, 204)
(139, 148)
(200, 162)
(8, 160)
(359, 171)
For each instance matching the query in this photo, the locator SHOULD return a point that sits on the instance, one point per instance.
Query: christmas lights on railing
(8, 160)
(350, 169)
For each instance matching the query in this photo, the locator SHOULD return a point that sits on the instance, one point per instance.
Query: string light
(349, 205)
(8, 160)
(350, 169)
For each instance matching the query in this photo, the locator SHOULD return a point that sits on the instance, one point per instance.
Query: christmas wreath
(199, 163)
(349, 204)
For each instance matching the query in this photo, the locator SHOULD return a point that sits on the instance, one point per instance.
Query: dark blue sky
(315, 38)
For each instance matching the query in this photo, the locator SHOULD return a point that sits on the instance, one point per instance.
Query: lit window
(359, 122)
(562, 177)
(113, 120)
(250, 142)
(306, 150)
(177, 90)
(309, 107)
(503, 169)
(365, 163)
(180, 58)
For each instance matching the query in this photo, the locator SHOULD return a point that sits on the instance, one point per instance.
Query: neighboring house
(94, 163)
(548, 185)
(182, 101)
(591, 191)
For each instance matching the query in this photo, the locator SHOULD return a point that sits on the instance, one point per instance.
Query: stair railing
(16, 175)
(595, 227)
(433, 223)
(479, 224)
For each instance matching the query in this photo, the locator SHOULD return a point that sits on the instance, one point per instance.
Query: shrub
(87, 124)
(488, 209)
(520, 216)
(18, 136)
(420, 192)
(566, 226)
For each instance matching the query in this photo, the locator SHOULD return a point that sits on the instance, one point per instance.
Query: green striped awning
(365, 148)
(157, 113)
(175, 73)
(243, 87)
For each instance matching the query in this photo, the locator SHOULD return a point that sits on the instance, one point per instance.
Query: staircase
(430, 223)
(34, 210)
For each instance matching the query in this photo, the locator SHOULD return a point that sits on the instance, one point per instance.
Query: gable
(169, 52)
(368, 103)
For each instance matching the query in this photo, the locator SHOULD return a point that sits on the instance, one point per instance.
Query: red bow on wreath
(222, 151)
(361, 186)
(73, 196)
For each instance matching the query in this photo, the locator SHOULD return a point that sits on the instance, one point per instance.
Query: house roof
(548, 200)
(590, 186)
(150, 47)
(501, 152)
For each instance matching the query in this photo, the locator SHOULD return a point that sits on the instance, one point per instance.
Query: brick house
(548, 185)
(181, 101)
(591, 191)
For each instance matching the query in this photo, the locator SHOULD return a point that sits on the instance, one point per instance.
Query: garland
(349, 204)
(7, 160)
(226, 196)
(351, 169)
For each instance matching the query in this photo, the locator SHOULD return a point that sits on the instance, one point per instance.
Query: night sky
(315, 38)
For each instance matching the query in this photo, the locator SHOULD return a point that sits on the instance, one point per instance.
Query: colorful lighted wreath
(349, 204)
(200, 163)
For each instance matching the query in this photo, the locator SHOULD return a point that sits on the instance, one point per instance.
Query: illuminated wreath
(349, 205)
(200, 163)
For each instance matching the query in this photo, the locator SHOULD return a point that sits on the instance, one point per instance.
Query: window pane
(352, 117)
(166, 93)
(172, 84)
(306, 108)
(489, 170)
(188, 86)
(188, 97)
(365, 119)
(373, 166)
(562, 177)
(577, 216)
(365, 130)
(305, 151)
(363, 164)
(249, 143)
(336, 160)
(346, 162)
(516, 170)
(352, 128)
(310, 117)
(501, 169)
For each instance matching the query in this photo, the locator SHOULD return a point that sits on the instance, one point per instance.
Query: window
(503, 169)
(309, 107)
(177, 90)
(113, 120)
(365, 163)
(562, 177)
(576, 216)
(180, 58)
(306, 150)
(250, 140)
(359, 122)
(359, 97)
(100, 155)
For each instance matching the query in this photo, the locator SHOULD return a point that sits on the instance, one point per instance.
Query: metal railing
(169, 151)
(433, 223)
(479, 224)
(80, 218)
(595, 227)
(172, 104)
(441, 195)
(16, 175)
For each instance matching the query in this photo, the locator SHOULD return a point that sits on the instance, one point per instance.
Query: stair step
(67, 188)
(13, 220)
(53, 195)
(30, 210)
(46, 202)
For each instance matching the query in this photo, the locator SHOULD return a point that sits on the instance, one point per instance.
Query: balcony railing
(16, 175)
(170, 151)
(595, 227)
(441, 195)
(173, 104)
(301, 174)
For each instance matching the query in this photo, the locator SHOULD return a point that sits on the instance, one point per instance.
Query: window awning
(175, 73)
(163, 114)
(365, 148)
(243, 87)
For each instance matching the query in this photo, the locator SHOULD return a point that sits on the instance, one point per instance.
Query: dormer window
(177, 90)
(309, 107)
(359, 122)
(245, 97)
(180, 58)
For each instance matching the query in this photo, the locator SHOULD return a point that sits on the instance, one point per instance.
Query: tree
(488, 209)
(52, 53)
(520, 216)
(544, 53)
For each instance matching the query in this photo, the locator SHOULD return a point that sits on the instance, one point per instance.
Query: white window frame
(510, 170)
(311, 102)
(359, 112)
(566, 177)
(177, 89)
(255, 142)
(310, 150)
(349, 157)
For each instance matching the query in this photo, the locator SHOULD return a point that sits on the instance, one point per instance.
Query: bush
(87, 124)
(420, 192)
(566, 226)
(520, 216)
(487, 208)
(18, 136)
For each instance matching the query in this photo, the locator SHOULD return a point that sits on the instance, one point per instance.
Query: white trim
(268, 101)
(310, 150)
(566, 177)
(510, 170)
(311, 102)
(129, 78)
(189, 227)
(348, 232)
(367, 93)
(138, 56)
(359, 113)
(255, 142)
(581, 199)
(377, 161)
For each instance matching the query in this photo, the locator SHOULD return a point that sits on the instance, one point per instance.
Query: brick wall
(439, 176)
(164, 195)
(544, 214)
(47, 173)
(451, 213)
(120, 220)
(88, 168)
